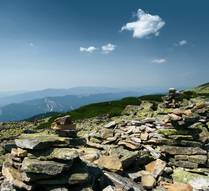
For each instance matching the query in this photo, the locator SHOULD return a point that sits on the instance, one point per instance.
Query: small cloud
(181, 43)
(108, 48)
(145, 25)
(90, 49)
(159, 61)
(31, 44)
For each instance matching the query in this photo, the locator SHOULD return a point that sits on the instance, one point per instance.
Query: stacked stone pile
(47, 162)
(172, 99)
(158, 147)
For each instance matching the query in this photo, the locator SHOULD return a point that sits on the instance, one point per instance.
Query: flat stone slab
(123, 182)
(172, 150)
(40, 141)
(43, 167)
(67, 154)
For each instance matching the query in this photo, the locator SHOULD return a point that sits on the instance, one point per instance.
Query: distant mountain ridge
(27, 109)
(39, 94)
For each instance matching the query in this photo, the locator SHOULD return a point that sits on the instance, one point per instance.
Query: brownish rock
(106, 133)
(174, 117)
(19, 152)
(188, 112)
(148, 181)
(144, 136)
(111, 163)
(63, 123)
(178, 187)
(156, 167)
(129, 144)
(14, 177)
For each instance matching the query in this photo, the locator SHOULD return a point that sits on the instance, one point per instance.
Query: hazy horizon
(140, 43)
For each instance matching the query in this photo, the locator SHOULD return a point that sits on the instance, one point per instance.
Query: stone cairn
(166, 152)
(172, 99)
(44, 161)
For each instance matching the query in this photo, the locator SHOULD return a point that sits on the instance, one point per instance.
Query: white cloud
(181, 43)
(159, 61)
(108, 48)
(145, 25)
(90, 49)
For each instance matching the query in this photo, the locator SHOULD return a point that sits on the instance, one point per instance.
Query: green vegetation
(154, 97)
(188, 94)
(14, 129)
(202, 90)
(111, 108)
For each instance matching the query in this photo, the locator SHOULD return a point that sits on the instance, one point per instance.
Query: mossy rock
(199, 182)
(203, 131)
(65, 154)
(163, 110)
(146, 109)
(169, 132)
(43, 167)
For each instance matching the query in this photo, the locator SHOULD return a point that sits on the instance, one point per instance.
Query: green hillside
(111, 108)
(202, 89)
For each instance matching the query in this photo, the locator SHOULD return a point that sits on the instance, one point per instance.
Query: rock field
(153, 146)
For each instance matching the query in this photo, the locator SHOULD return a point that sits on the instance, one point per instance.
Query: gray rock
(7, 186)
(135, 176)
(199, 159)
(40, 141)
(67, 154)
(185, 164)
(126, 157)
(43, 167)
(172, 150)
(111, 124)
(123, 182)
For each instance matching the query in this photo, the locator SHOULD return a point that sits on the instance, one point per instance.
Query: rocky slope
(151, 146)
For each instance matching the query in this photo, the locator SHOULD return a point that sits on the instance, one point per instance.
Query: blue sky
(137, 43)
